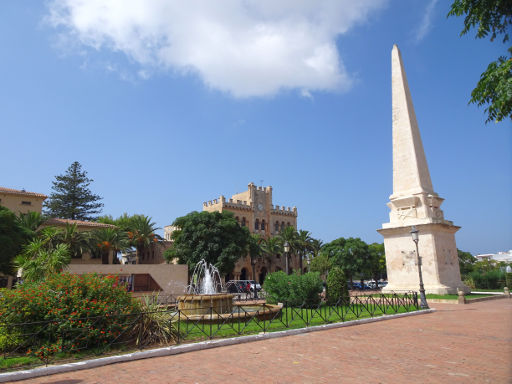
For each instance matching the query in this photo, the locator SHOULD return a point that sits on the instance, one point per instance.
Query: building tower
(414, 202)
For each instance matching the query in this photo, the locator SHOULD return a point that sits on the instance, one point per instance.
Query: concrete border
(468, 301)
(184, 348)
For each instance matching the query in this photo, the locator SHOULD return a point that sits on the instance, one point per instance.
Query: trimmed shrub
(66, 312)
(337, 290)
(508, 280)
(294, 290)
(493, 279)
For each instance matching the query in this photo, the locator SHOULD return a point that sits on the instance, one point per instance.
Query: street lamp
(253, 262)
(286, 247)
(415, 238)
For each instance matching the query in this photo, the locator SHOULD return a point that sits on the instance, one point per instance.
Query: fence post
(211, 314)
(179, 326)
(461, 299)
(286, 313)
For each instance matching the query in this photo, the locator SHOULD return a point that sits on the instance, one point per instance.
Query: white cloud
(426, 22)
(243, 47)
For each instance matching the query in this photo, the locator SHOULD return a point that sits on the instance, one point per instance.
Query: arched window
(288, 225)
(282, 225)
(237, 219)
(276, 227)
(257, 225)
(262, 225)
(243, 221)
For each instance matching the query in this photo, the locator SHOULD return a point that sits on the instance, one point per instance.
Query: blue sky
(167, 105)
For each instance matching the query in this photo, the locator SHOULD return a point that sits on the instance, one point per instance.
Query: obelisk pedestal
(414, 202)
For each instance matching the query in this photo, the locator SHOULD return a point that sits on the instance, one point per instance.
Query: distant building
(498, 257)
(21, 201)
(254, 209)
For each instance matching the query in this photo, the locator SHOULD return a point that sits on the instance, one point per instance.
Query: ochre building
(21, 201)
(254, 209)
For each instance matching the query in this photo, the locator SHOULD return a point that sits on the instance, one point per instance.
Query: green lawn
(289, 319)
(487, 290)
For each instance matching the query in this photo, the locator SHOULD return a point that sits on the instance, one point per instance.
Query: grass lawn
(487, 290)
(291, 318)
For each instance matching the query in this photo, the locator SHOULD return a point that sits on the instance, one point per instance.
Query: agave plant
(154, 325)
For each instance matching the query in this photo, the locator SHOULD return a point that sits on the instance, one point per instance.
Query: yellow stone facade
(254, 209)
(21, 201)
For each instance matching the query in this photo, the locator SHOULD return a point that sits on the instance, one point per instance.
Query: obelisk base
(438, 252)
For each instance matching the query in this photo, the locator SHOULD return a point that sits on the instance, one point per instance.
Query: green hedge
(293, 290)
(494, 279)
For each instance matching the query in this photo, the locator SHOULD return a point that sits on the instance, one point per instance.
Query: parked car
(358, 285)
(242, 286)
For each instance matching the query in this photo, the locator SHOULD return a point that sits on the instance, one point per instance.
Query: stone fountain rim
(203, 296)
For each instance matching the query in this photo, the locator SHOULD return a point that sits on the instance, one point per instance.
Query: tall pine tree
(71, 197)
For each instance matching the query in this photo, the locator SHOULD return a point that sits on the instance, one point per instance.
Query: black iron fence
(47, 341)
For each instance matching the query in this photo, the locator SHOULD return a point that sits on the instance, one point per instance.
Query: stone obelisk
(414, 202)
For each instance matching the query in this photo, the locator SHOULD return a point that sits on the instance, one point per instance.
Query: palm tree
(142, 234)
(30, 222)
(254, 247)
(303, 245)
(109, 240)
(288, 235)
(41, 259)
(270, 248)
(77, 241)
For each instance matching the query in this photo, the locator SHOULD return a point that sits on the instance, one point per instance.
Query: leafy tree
(466, 262)
(321, 264)
(71, 197)
(337, 290)
(490, 17)
(351, 255)
(213, 236)
(377, 261)
(12, 238)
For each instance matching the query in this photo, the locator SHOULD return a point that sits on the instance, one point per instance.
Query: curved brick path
(457, 344)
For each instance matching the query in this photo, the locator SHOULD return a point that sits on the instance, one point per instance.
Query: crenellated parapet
(284, 211)
(222, 202)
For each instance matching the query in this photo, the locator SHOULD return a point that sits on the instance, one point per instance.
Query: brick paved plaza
(457, 344)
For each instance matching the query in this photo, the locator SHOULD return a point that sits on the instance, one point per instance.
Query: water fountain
(204, 295)
(206, 301)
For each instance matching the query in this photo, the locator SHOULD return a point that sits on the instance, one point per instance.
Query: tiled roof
(79, 223)
(11, 191)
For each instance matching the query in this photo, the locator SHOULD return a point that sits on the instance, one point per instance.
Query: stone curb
(183, 348)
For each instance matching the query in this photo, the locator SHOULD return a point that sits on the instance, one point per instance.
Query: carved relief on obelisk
(414, 202)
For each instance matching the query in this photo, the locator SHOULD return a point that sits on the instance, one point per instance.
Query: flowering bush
(66, 312)
(293, 290)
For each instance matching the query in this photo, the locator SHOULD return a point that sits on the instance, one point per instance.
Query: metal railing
(103, 334)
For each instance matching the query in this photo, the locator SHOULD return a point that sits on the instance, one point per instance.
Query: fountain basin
(240, 313)
(204, 304)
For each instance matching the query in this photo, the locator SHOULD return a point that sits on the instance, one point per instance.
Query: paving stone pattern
(456, 344)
